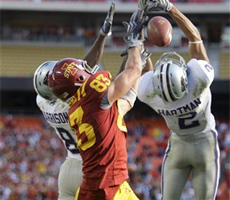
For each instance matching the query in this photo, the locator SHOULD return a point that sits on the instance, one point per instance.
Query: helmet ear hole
(81, 78)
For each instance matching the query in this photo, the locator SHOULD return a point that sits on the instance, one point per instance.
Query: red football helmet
(68, 75)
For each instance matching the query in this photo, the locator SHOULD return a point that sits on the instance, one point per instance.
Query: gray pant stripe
(163, 164)
(217, 162)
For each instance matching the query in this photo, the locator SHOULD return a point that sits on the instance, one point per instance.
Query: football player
(181, 93)
(97, 106)
(55, 112)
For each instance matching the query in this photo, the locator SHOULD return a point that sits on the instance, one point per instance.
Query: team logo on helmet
(69, 69)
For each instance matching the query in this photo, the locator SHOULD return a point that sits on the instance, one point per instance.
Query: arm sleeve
(203, 70)
(145, 87)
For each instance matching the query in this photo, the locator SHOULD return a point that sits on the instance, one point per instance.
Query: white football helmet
(40, 80)
(170, 77)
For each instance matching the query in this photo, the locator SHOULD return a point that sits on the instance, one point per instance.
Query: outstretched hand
(106, 29)
(134, 28)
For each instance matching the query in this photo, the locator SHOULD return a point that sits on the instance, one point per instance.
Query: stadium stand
(224, 70)
(27, 173)
(111, 61)
(23, 60)
(37, 51)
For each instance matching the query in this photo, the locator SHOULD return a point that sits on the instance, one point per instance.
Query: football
(159, 31)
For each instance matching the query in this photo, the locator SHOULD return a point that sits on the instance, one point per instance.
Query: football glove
(144, 56)
(106, 29)
(133, 37)
(151, 6)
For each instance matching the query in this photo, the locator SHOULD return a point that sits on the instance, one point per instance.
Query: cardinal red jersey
(100, 134)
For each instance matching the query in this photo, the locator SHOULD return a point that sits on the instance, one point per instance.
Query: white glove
(144, 56)
(133, 37)
(106, 29)
(151, 6)
(133, 40)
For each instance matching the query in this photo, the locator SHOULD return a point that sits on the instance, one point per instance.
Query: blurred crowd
(86, 35)
(48, 33)
(31, 155)
(30, 159)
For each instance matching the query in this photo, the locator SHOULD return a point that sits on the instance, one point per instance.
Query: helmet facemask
(90, 70)
(170, 77)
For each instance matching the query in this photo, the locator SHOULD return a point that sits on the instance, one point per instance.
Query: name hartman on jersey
(180, 110)
(57, 118)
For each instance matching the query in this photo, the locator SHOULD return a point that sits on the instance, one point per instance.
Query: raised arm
(127, 78)
(196, 46)
(95, 53)
(133, 65)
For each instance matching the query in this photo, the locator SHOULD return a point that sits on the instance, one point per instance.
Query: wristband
(196, 42)
(130, 96)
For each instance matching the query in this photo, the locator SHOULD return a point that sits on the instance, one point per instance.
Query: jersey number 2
(188, 117)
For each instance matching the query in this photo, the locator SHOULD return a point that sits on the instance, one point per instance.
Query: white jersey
(191, 114)
(56, 114)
